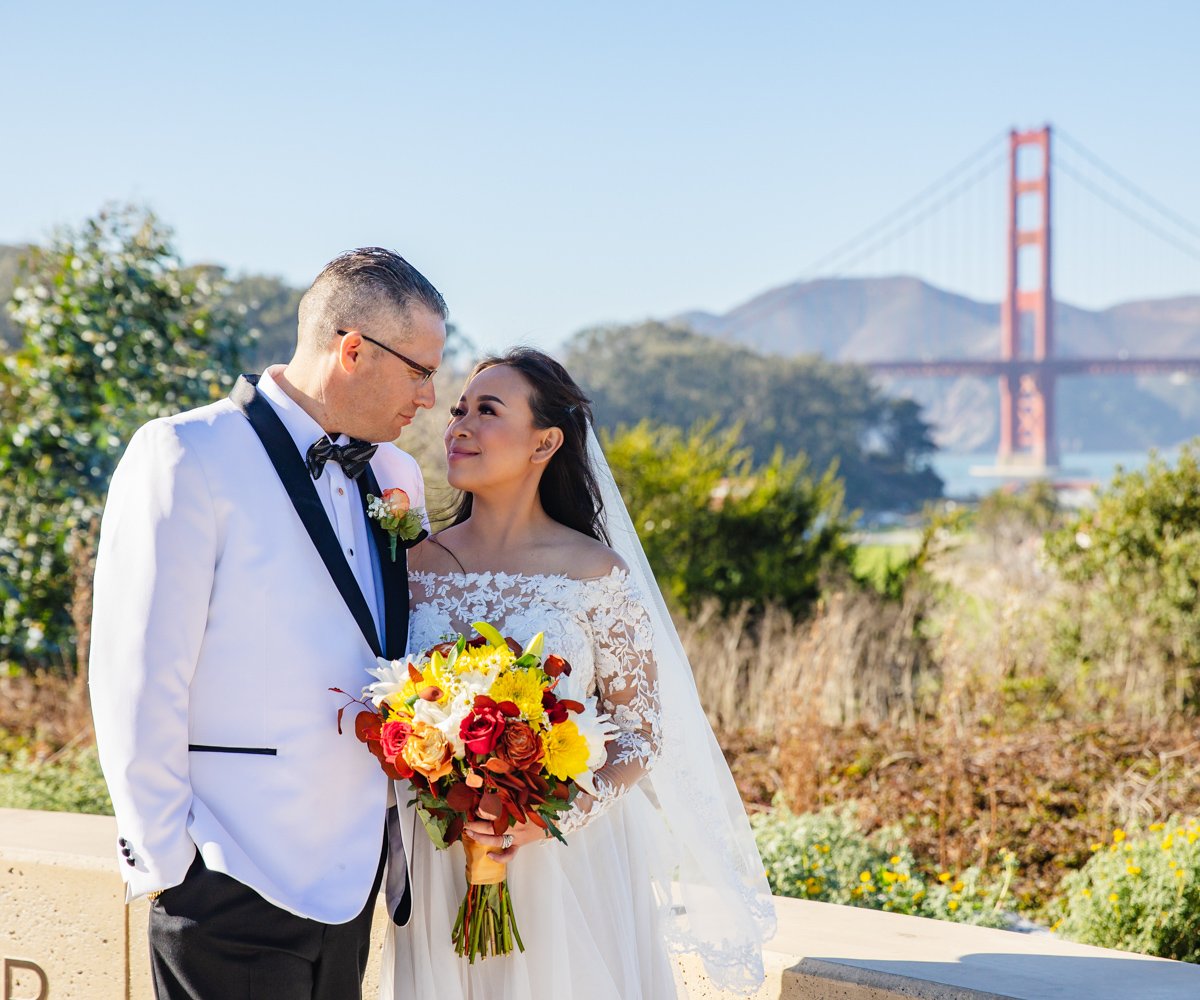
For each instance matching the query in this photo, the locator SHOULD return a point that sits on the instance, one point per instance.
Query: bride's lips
(455, 453)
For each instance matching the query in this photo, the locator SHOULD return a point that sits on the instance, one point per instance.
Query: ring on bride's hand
(506, 841)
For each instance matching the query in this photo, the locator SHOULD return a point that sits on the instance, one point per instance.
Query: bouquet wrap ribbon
(481, 869)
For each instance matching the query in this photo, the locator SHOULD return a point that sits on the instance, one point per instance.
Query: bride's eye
(457, 411)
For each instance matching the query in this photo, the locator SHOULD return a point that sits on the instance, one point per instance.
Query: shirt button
(351, 551)
(341, 492)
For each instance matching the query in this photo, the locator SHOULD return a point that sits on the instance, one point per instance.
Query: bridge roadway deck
(66, 934)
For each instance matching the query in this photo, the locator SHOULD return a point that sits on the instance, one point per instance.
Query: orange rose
(519, 746)
(396, 501)
(428, 752)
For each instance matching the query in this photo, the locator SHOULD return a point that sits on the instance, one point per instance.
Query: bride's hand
(523, 833)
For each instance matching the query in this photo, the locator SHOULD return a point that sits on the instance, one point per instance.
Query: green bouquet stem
(486, 925)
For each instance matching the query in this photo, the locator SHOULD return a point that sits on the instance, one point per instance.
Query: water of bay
(1097, 467)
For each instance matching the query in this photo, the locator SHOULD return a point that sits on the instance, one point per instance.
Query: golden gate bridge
(1027, 365)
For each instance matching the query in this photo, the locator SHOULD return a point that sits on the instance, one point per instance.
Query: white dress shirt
(338, 492)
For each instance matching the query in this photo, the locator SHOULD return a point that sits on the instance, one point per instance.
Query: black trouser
(212, 938)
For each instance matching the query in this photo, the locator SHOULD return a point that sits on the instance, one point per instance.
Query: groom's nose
(426, 395)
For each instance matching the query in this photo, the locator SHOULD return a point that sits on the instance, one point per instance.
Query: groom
(238, 579)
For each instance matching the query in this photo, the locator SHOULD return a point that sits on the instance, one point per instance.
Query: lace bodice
(600, 626)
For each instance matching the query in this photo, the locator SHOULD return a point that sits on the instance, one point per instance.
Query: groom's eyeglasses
(425, 373)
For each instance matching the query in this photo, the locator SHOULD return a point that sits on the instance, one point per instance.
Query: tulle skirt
(587, 911)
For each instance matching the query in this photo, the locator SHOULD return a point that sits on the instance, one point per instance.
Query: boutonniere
(396, 516)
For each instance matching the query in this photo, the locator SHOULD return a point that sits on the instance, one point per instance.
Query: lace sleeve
(627, 687)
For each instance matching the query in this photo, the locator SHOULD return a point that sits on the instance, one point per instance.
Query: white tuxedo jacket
(221, 621)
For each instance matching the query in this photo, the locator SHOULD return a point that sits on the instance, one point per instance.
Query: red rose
(520, 746)
(483, 727)
(392, 737)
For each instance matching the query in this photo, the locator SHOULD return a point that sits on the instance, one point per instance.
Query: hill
(870, 319)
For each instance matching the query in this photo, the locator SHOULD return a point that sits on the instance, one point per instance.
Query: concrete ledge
(66, 934)
(855, 954)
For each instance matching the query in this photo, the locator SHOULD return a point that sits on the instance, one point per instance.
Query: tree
(829, 412)
(115, 333)
(713, 526)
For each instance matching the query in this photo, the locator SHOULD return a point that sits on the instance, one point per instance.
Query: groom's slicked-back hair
(356, 287)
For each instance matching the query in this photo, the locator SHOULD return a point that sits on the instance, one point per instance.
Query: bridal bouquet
(484, 726)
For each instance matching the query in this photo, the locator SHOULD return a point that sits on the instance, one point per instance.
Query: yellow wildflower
(953, 905)
(1118, 835)
(944, 877)
(1154, 827)
(1113, 897)
(1133, 870)
(957, 887)
(894, 859)
(1168, 842)
(865, 877)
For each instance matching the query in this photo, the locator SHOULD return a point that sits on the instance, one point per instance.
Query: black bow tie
(352, 456)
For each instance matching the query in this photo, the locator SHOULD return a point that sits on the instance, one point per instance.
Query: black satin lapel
(395, 574)
(298, 484)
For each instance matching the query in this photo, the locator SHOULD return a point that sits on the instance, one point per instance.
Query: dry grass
(859, 658)
(47, 711)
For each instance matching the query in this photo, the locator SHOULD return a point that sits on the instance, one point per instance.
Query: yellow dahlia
(566, 751)
(522, 687)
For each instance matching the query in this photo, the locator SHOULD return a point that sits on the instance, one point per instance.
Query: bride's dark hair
(568, 491)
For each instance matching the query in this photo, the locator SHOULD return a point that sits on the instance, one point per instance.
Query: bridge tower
(1027, 318)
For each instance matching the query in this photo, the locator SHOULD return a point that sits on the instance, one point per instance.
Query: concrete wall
(66, 934)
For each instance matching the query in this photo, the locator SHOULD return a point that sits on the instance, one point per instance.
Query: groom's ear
(349, 351)
(549, 441)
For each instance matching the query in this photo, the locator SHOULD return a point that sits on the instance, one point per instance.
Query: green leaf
(435, 827)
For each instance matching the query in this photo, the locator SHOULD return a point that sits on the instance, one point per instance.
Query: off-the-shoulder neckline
(617, 572)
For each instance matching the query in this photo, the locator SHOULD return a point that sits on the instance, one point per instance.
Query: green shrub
(825, 856)
(69, 781)
(716, 527)
(1135, 562)
(1141, 893)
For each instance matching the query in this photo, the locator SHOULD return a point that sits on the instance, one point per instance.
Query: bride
(661, 859)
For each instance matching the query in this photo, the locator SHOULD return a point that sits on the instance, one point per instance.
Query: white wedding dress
(589, 912)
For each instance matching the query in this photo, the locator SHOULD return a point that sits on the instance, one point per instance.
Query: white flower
(597, 729)
(390, 676)
(448, 718)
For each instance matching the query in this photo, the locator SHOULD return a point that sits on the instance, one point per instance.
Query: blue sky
(555, 165)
